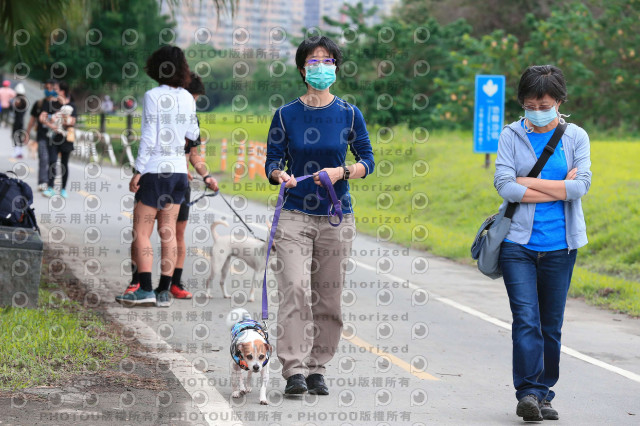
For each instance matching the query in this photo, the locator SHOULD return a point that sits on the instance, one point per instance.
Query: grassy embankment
(460, 194)
(53, 343)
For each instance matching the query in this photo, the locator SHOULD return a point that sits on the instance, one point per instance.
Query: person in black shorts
(177, 290)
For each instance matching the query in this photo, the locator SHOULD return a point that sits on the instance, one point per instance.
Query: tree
(30, 22)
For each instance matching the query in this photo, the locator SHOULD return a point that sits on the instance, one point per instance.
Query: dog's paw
(247, 390)
(252, 299)
(263, 402)
(237, 394)
(209, 296)
(226, 296)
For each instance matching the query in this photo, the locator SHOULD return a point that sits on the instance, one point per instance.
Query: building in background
(264, 25)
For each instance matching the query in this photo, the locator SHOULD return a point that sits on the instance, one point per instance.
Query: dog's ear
(268, 347)
(239, 350)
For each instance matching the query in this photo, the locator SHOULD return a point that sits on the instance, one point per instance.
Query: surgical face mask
(48, 93)
(321, 76)
(541, 118)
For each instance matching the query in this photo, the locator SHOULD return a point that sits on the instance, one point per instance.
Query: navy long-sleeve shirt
(304, 139)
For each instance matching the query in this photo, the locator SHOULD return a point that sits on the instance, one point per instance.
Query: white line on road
(215, 409)
(495, 321)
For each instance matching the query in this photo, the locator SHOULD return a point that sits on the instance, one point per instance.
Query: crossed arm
(544, 190)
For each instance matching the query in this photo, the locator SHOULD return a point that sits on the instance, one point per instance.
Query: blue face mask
(320, 77)
(541, 118)
(48, 93)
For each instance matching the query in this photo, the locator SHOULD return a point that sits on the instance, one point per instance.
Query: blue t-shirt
(549, 228)
(304, 139)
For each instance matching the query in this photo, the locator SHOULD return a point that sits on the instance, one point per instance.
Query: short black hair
(64, 86)
(195, 87)
(51, 81)
(172, 64)
(540, 80)
(310, 44)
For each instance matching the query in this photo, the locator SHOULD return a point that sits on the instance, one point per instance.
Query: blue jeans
(537, 284)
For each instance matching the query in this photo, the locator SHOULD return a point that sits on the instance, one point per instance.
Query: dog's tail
(214, 234)
(237, 315)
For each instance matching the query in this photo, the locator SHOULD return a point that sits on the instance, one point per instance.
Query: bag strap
(547, 152)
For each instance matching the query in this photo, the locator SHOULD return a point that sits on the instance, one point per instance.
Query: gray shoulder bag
(486, 246)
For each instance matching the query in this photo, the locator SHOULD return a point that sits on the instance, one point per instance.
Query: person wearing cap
(6, 96)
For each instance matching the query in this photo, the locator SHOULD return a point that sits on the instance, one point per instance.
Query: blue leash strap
(337, 211)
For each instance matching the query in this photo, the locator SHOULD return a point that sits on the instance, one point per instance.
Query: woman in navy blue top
(310, 134)
(538, 255)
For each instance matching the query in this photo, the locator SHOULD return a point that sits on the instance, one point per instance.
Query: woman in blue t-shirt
(538, 255)
(310, 134)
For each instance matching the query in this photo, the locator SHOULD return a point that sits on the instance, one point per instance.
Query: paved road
(426, 340)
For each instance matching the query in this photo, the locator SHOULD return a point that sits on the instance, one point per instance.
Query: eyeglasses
(316, 62)
(543, 108)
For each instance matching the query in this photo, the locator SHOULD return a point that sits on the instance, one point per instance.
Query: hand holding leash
(281, 177)
(334, 173)
(211, 182)
(335, 209)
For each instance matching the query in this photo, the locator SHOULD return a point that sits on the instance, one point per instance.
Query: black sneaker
(316, 385)
(547, 411)
(295, 385)
(529, 409)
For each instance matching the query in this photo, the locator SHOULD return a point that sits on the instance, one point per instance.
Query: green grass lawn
(47, 345)
(460, 195)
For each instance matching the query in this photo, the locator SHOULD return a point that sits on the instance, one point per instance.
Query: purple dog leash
(335, 205)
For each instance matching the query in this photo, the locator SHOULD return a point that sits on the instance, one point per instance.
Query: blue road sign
(488, 113)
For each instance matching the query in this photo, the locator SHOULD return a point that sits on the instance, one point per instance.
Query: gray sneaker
(547, 411)
(529, 409)
(163, 299)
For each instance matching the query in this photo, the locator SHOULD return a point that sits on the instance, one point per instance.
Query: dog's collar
(237, 331)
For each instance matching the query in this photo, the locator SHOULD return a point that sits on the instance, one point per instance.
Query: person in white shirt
(160, 179)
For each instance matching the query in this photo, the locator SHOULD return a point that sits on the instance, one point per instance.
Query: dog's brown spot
(253, 349)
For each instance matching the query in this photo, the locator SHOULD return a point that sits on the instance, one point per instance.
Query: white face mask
(541, 118)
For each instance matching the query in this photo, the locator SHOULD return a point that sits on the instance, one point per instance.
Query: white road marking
(495, 321)
(215, 406)
(488, 318)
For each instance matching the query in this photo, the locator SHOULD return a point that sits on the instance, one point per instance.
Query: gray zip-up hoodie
(516, 158)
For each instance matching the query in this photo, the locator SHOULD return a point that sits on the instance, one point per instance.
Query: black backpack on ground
(16, 198)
